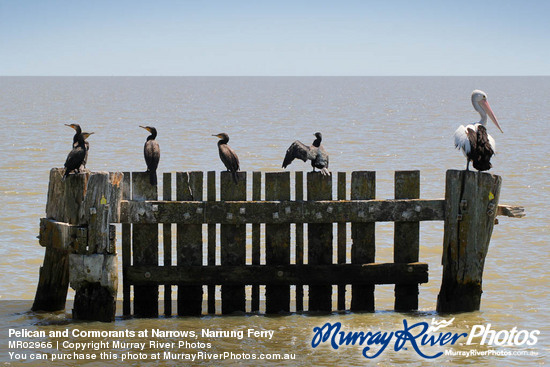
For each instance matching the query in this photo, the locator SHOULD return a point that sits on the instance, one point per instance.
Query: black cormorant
(77, 154)
(87, 146)
(151, 152)
(315, 153)
(228, 155)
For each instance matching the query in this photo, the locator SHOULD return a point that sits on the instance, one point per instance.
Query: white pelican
(477, 146)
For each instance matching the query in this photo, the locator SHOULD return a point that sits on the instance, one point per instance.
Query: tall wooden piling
(471, 202)
(406, 239)
(277, 241)
(211, 197)
(256, 196)
(189, 187)
(299, 250)
(233, 242)
(145, 249)
(363, 187)
(319, 187)
(167, 242)
(126, 247)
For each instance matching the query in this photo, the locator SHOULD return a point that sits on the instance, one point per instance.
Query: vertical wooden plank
(211, 196)
(167, 241)
(189, 187)
(233, 242)
(277, 242)
(319, 187)
(406, 239)
(145, 248)
(471, 206)
(126, 247)
(342, 239)
(299, 240)
(256, 196)
(363, 187)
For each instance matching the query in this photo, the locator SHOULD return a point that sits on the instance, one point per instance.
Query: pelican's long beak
(485, 105)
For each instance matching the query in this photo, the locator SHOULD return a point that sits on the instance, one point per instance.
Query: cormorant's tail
(153, 177)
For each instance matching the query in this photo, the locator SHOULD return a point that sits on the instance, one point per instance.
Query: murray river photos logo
(419, 336)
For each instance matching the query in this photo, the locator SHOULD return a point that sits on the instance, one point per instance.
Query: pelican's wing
(296, 150)
(493, 143)
(462, 138)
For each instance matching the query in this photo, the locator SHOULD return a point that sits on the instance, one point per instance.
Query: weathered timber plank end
(471, 207)
(144, 247)
(512, 211)
(406, 240)
(189, 186)
(277, 241)
(53, 283)
(319, 187)
(61, 235)
(363, 187)
(233, 242)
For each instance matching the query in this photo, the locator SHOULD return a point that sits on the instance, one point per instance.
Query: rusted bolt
(186, 216)
(199, 210)
(329, 209)
(371, 209)
(491, 206)
(88, 270)
(490, 212)
(276, 215)
(242, 210)
(155, 208)
(410, 269)
(496, 221)
(463, 204)
(147, 275)
(141, 211)
(361, 214)
(417, 208)
(319, 215)
(287, 210)
(280, 273)
(459, 217)
(93, 211)
(229, 216)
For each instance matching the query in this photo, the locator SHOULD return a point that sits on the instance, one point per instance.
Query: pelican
(477, 146)
(315, 153)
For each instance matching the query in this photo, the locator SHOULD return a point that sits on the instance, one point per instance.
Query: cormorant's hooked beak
(485, 105)
(219, 136)
(145, 127)
(86, 135)
(71, 125)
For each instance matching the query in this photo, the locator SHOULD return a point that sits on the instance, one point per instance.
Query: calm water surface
(381, 123)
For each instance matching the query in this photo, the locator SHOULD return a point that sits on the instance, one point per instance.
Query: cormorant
(315, 153)
(151, 152)
(77, 154)
(228, 155)
(477, 146)
(87, 146)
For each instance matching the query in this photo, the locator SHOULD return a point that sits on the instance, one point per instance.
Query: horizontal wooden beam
(238, 212)
(62, 235)
(389, 273)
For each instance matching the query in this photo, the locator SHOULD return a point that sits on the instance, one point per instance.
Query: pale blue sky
(274, 37)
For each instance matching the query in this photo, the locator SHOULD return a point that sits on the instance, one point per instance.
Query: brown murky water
(382, 124)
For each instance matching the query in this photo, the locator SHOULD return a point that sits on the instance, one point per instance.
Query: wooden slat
(211, 196)
(406, 240)
(144, 247)
(189, 187)
(342, 241)
(299, 239)
(319, 187)
(167, 241)
(277, 241)
(126, 247)
(318, 211)
(317, 275)
(233, 242)
(256, 196)
(363, 186)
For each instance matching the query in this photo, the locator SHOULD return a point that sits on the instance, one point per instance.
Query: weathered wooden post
(59, 234)
(233, 242)
(319, 187)
(470, 210)
(189, 187)
(93, 271)
(277, 242)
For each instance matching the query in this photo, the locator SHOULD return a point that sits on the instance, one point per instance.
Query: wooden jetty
(79, 238)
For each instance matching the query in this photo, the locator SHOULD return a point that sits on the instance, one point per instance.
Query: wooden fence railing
(213, 238)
